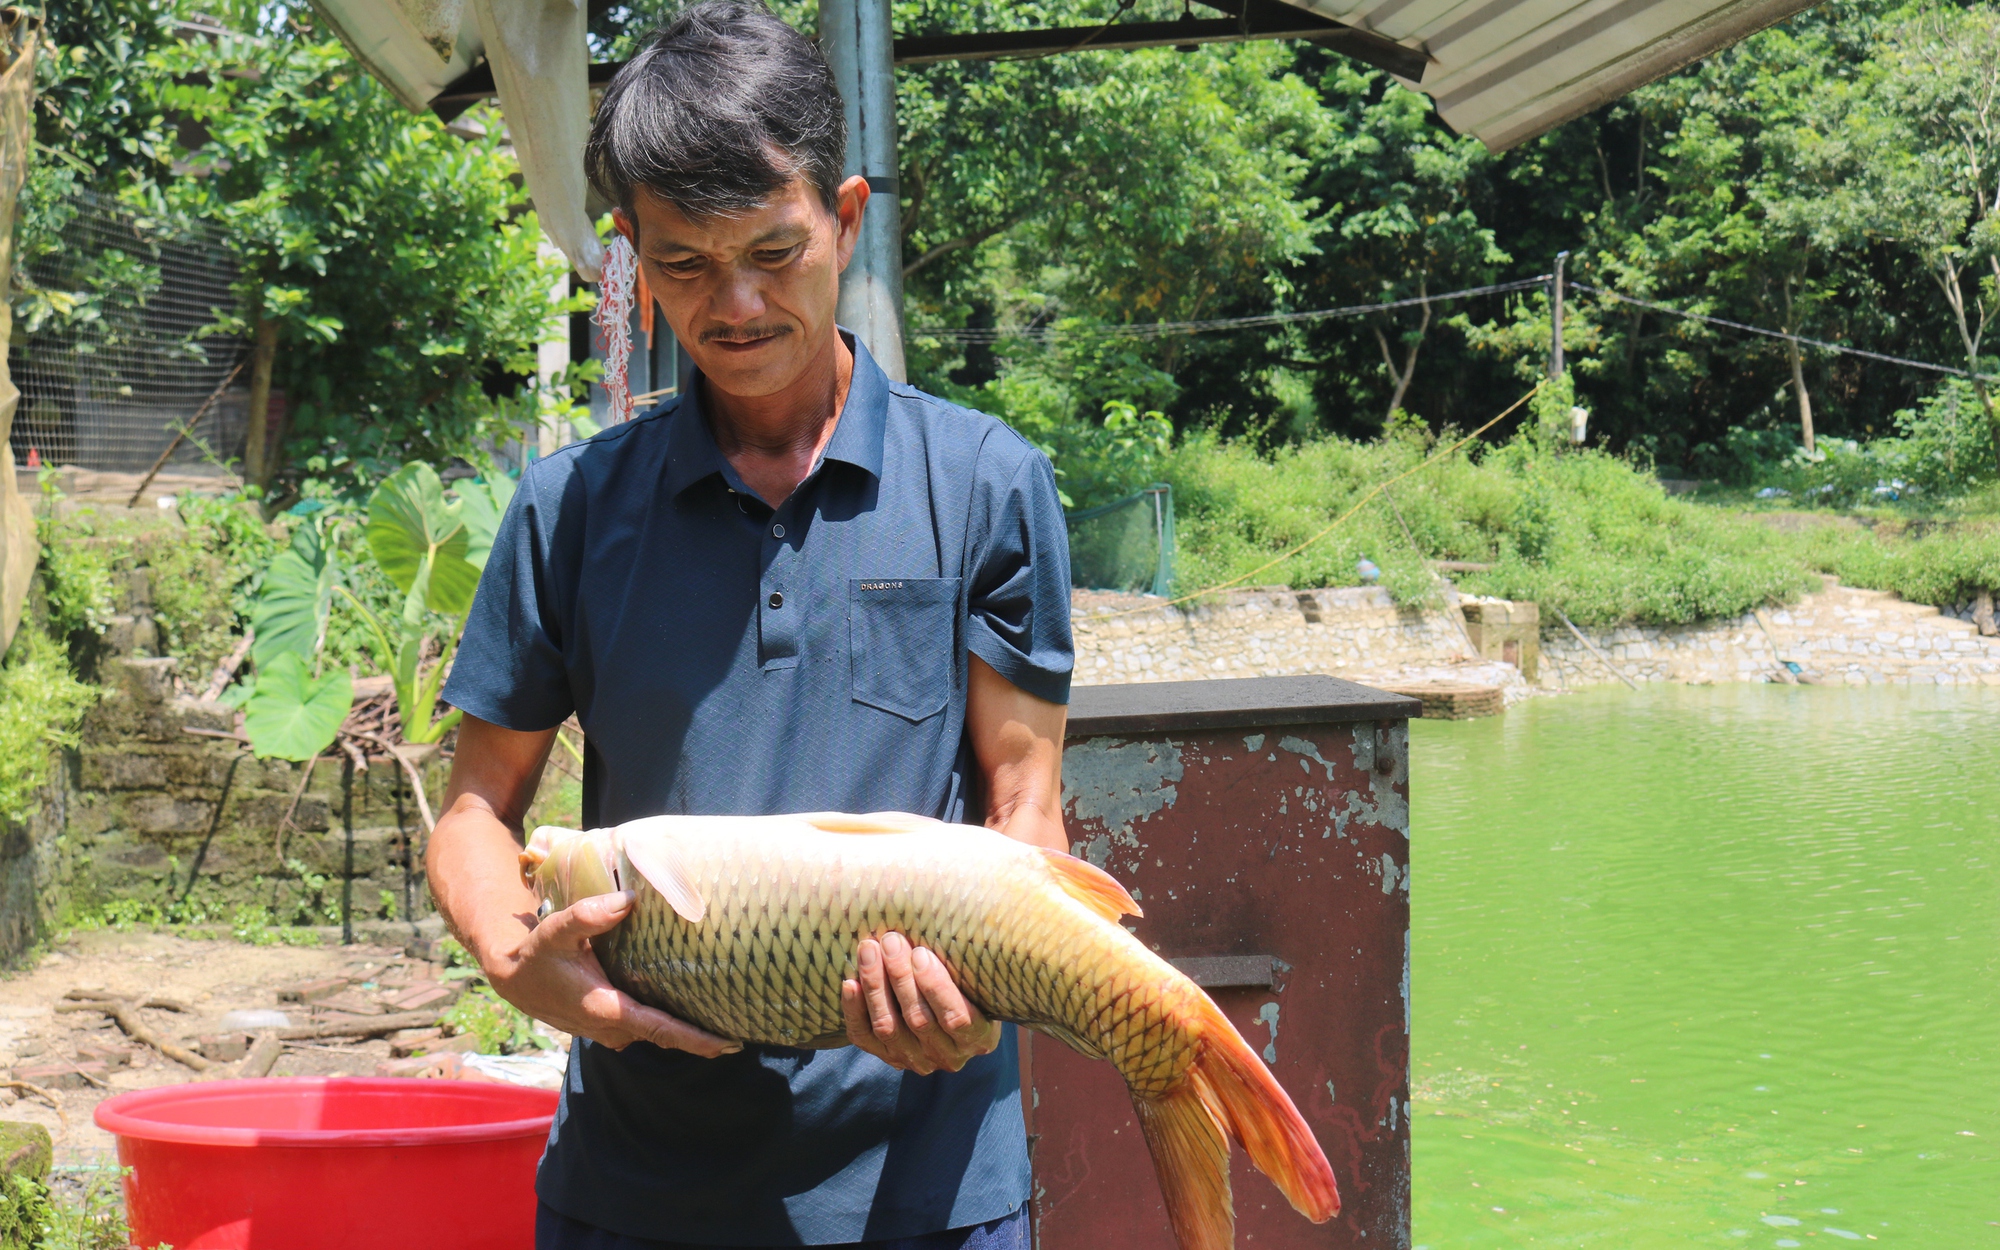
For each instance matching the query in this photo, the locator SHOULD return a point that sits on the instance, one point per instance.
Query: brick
(421, 996)
(225, 1047)
(311, 991)
(407, 1042)
(57, 1074)
(119, 770)
(163, 813)
(110, 1054)
(351, 1003)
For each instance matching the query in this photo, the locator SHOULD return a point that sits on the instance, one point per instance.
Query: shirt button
(777, 599)
(777, 531)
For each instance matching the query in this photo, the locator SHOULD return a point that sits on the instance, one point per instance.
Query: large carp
(747, 926)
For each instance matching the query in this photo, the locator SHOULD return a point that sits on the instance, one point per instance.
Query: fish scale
(748, 926)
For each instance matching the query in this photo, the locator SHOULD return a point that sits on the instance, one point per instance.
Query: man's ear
(850, 202)
(623, 224)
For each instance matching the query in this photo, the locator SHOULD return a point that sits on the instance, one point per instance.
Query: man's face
(751, 297)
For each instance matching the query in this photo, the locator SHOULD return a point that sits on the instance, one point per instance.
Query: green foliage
(41, 702)
(296, 597)
(1578, 531)
(293, 714)
(421, 542)
(76, 569)
(93, 1219)
(24, 1211)
(204, 581)
(1946, 566)
(253, 924)
(496, 1025)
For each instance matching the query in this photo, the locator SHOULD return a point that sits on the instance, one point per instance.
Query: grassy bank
(1580, 531)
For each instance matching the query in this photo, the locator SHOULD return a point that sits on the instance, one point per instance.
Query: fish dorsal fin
(1090, 885)
(873, 822)
(656, 855)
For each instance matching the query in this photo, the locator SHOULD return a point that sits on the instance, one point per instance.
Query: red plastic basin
(317, 1164)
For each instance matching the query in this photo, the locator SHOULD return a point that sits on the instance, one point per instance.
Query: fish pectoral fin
(1070, 1040)
(873, 822)
(656, 856)
(1090, 885)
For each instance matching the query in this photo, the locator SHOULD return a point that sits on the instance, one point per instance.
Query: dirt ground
(211, 977)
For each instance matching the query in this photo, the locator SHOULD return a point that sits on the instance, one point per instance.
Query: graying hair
(721, 108)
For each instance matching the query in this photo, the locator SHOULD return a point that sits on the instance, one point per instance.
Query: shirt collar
(692, 454)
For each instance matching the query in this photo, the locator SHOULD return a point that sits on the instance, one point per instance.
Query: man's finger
(942, 995)
(668, 1033)
(584, 919)
(896, 1049)
(882, 1017)
(896, 962)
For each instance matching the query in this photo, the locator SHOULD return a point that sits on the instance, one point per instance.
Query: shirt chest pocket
(903, 643)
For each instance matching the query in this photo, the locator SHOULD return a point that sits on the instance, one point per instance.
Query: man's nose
(738, 296)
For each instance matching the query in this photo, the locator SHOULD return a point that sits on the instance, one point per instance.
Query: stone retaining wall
(1837, 636)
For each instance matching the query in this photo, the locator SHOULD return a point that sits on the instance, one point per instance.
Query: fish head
(564, 865)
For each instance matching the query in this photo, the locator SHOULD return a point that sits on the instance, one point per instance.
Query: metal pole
(1556, 320)
(859, 42)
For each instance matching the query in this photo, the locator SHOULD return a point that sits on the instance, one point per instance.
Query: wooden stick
(1617, 672)
(416, 780)
(1789, 678)
(42, 1094)
(364, 1026)
(138, 1032)
(182, 433)
(262, 1057)
(219, 680)
(293, 809)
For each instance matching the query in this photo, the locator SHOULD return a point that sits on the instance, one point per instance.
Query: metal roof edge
(1602, 84)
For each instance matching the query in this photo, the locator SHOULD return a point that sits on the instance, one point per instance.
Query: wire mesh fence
(1126, 545)
(108, 346)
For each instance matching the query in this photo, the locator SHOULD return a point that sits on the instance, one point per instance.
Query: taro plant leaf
(420, 540)
(294, 715)
(291, 610)
(484, 503)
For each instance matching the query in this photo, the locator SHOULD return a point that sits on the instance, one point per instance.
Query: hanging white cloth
(541, 65)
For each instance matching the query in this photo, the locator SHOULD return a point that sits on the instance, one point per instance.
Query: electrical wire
(1820, 344)
(1164, 329)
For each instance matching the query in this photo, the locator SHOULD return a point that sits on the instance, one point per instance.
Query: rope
(615, 298)
(1338, 521)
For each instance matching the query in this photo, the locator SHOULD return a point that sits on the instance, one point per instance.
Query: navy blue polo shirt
(726, 658)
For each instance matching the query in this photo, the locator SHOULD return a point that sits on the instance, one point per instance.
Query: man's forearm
(475, 876)
(1017, 740)
(474, 859)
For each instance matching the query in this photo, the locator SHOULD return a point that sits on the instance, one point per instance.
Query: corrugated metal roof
(1508, 70)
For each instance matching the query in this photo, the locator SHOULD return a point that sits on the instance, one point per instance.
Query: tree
(1934, 94)
(1397, 189)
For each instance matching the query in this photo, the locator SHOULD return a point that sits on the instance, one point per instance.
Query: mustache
(743, 334)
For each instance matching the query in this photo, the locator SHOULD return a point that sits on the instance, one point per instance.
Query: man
(797, 587)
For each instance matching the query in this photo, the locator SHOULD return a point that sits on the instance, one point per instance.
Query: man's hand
(547, 969)
(904, 1009)
(553, 975)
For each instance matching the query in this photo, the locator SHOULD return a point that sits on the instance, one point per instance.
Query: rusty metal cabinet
(1263, 825)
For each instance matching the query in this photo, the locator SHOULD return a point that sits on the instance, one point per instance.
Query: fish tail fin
(1184, 1132)
(1261, 1115)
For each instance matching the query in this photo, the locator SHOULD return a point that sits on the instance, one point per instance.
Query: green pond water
(1709, 967)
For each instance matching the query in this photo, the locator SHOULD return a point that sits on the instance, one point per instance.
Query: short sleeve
(509, 670)
(1018, 577)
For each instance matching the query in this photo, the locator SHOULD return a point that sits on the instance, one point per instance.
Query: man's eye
(776, 256)
(682, 268)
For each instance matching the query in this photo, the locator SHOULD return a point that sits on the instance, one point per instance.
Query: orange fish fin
(657, 858)
(1090, 885)
(1191, 1158)
(873, 822)
(1262, 1116)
